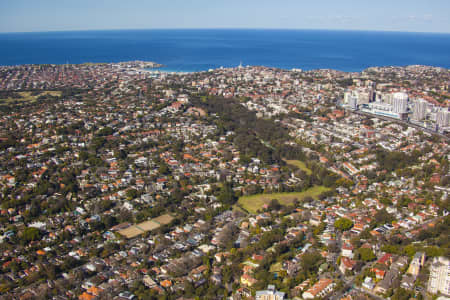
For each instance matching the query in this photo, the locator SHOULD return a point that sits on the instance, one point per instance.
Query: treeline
(391, 161)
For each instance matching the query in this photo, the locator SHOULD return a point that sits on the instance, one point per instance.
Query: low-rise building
(269, 294)
(320, 289)
(416, 263)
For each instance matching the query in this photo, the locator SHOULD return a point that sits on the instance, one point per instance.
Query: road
(358, 112)
(350, 284)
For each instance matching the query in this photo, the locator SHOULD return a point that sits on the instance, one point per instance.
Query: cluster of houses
(83, 76)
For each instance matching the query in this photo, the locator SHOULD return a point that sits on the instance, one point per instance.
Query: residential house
(347, 250)
(269, 294)
(347, 264)
(248, 280)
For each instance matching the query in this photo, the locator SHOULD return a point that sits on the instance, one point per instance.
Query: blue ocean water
(197, 50)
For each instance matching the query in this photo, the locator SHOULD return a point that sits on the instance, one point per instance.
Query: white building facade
(439, 280)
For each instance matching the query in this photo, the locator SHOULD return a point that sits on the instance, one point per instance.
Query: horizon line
(225, 28)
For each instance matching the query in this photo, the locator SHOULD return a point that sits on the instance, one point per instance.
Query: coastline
(157, 69)
(162, 70)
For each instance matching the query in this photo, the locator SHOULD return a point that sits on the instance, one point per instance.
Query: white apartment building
(400, 103)
(443, 118)
(420, 109)
(439, 280)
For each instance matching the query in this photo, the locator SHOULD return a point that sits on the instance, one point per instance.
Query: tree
(311, 262)
(244, 159)
(365, 234)
(31, 234)
(274, 204)
(343, 224)
(383, 217)
(131, 194)
(409, 250)
(226, 195)
(125, 215)
(163, 169)
(84, 155)
(121, 154)
(105, 131)
(366, 254)
(402, 294)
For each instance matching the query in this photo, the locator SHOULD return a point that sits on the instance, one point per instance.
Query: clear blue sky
(397, 15)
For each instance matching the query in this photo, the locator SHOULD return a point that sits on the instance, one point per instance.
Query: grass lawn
(255, 202)
(299, 164)
(28, 97)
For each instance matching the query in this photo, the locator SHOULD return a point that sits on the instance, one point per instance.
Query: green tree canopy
(366, 254)
(226, 195)
(105, 131)
(31, 234)
(131, 193)
(383, 217)
(164, 169)
(343, 224)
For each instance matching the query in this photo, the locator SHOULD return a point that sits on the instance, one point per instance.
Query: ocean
(198, 50)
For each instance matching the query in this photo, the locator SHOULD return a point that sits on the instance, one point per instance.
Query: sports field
(131, 232)
(255, 202)
(164, 219)
(150, 225)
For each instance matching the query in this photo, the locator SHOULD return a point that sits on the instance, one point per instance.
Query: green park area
(254, 202)
(28, 96)
(299, 164)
